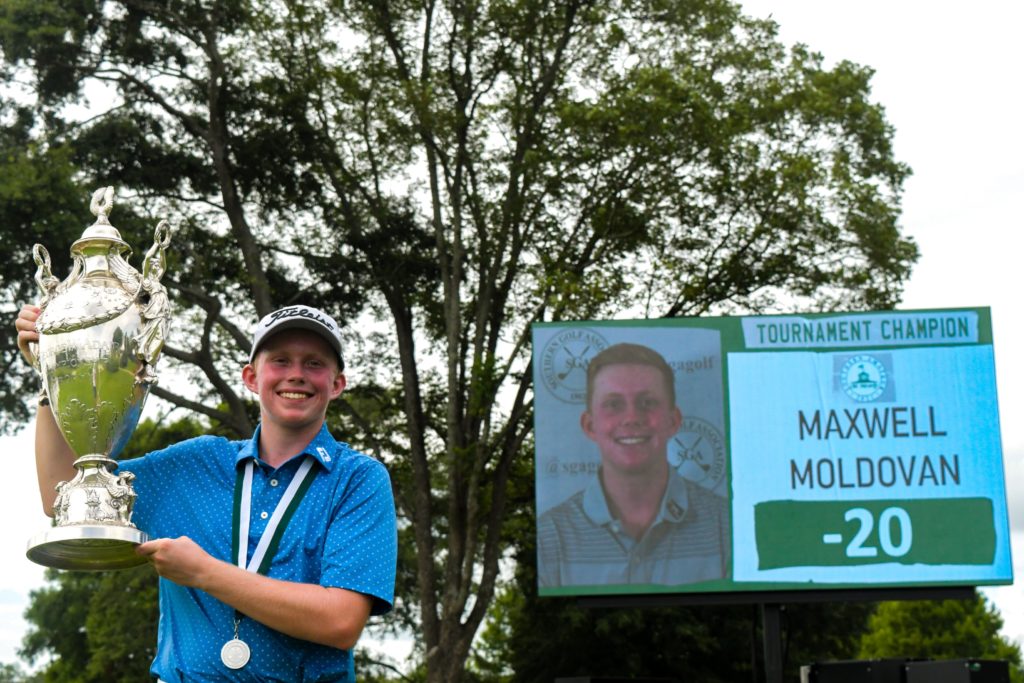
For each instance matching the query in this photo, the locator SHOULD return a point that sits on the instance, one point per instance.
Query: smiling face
(295, 375)
(631, 417)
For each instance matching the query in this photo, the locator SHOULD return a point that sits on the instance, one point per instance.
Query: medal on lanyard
(236, 653)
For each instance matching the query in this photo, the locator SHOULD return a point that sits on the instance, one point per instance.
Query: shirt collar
(323, 448)
(674, 503)
(594, 504)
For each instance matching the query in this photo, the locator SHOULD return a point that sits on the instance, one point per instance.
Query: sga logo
(564, 362)
(698, 453)
(865, 378)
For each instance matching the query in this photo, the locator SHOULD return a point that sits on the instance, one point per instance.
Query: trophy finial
(102, 203)
(101, 232)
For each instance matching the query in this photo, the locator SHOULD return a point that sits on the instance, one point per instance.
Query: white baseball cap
(298, 318)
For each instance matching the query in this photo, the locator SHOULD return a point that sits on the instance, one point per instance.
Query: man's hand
(180, 560)
(26, 326)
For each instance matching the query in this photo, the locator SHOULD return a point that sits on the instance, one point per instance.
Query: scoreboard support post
(771, 622)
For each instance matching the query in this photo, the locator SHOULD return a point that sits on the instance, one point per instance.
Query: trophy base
(87, 547)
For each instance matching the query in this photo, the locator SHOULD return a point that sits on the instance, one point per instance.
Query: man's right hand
(26, 326)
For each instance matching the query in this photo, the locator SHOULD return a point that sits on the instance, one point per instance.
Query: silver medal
(235, 654)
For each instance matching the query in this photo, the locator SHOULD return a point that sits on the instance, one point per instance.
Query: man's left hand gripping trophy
(100, 334)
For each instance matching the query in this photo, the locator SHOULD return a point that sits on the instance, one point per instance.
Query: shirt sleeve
(174, 485)
(361, 547)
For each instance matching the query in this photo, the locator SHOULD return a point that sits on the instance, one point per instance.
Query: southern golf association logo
(564, 362)
(864, 378)
(697, 452)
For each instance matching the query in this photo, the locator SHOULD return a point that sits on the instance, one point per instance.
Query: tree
(940, 629)
(12, 673)
(100, 626)
(39, 201)
(441, 176)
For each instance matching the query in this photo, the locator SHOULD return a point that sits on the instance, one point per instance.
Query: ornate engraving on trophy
(61, 504)
(107, 502)
(78, 413)
(101, 332)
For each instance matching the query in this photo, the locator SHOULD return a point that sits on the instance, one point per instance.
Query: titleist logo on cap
(300, 313)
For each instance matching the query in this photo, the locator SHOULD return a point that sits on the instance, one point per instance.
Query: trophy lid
(101, 233)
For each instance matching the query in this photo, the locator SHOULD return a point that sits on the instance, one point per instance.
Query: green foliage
(13, 673)
(39, 202)
(98, 627)
(940, 629)
(440, 176)
(51, 34)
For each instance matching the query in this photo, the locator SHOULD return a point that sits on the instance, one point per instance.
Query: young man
(272, 552)
(638, 521)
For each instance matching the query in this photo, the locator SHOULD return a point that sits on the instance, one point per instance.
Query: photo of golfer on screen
(638, 519)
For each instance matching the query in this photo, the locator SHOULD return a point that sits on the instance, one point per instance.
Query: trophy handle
(155, 263)
(47, 286)
(152, 299)
(44, 274)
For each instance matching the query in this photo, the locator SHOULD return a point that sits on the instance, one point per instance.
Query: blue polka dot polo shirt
(342, 535)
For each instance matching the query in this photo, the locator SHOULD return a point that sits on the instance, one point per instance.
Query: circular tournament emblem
(863, 378)
(564, 362)
(697, 452)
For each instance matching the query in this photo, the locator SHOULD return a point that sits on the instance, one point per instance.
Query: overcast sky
(949, 76)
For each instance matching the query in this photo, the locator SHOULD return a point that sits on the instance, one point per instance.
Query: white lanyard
(301, 474)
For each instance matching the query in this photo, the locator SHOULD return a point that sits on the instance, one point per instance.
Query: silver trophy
(100, 333)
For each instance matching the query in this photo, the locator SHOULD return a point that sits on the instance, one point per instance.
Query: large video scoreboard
(847, 450)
